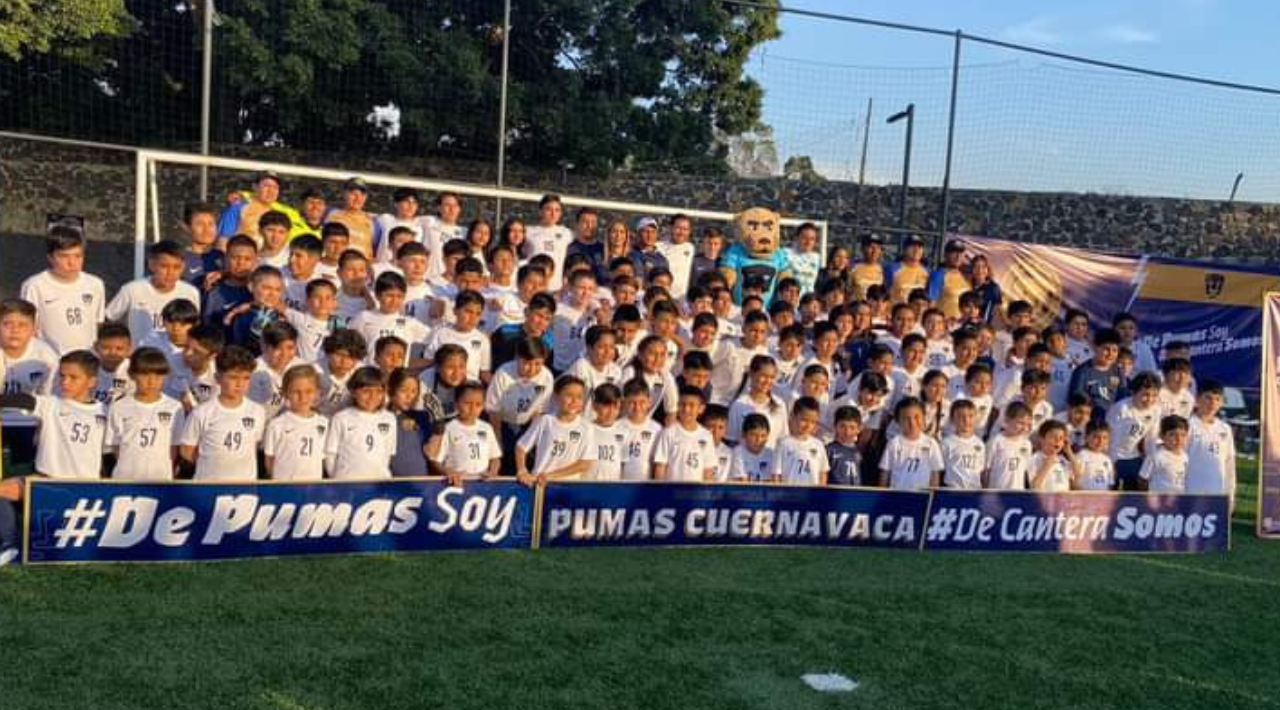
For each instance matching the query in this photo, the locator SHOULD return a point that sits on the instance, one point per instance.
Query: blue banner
(676, 514)
(1077, 522)
(80, 521)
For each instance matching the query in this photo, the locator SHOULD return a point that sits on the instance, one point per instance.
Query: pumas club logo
(248, 422)
(384, 428)
(165, 417)
(1214, 283)
(86, 298)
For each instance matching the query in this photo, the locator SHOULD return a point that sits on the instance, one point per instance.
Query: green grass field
(646, 628)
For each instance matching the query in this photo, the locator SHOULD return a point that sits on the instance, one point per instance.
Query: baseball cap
(872, 239)
(355, 183)
(268, 175)
(913, 241)
(954, 246)
(645, 222)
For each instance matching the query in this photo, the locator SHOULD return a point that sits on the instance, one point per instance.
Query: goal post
(147, 195)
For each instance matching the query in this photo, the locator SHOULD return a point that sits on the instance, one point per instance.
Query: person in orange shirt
(359, 223)
(909, 273)
(947, 282)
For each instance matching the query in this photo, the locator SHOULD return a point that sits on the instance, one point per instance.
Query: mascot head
(759, 231)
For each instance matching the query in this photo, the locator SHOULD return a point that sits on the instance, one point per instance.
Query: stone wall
(36, 179)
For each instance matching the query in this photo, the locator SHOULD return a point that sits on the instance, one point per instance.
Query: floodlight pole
(206, 93)
(951, 134)
(502, 103)
(908, 113)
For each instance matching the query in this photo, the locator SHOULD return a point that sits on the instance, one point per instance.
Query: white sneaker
(8, 556)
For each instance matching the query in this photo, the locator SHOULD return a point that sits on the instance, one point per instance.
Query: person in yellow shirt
(359, 223)
(909, 273)
(948, 281)
(868, 271)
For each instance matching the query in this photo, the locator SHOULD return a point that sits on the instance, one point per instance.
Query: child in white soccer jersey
(344, 350)
(911, 460)
(1176, 394)
(389, 318)
(758, 398)
(468, 307)
(222, 435)
(139, 303)
(801, 457)
(650, 366)
(937, 407)
(1165, 469)
(362, 437)
(684, 451)
(1053, 467)
(573, 316)
(1134, 423)
(193, 379)
(177, 318)
(1094, 469)
(1078, 415)
(304, 256)
(518, 393)
(112, 348)
(753, 457)
(293, 446)
(597, 366)
(70, 303)
(143, 428)
(1211, 448)
(639, 430)
(963, 451)
(1009, 451)
(279, 355)
(606, 402)
(468, 449)
(715, 419)
(562, 443)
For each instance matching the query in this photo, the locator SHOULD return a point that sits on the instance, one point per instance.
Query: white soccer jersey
(1059, 383)
(1177, 403)
(1211, 458)
(31, 372)
(775, 410)
(67, 314)
(360, 444)
(687, 454)
(752, 467)
(1057, 480)
(278, 260)
(800, 462)
(111, 384)
(569, 329)
(906, 384)
(266, 386)
(189, 387)
(435, 234)
(144, 435)
(832, 368)
(582, 368)
(226, 439)
(680, 262)
(139, 302)
(610, 445)
(554, 242)
(729, 364)
(351, 306)
(311, 333)
(638, 441)
(662, 389)
(509, 308)
(1078, 352)
(382, 226)
(334, 395)
(474, 342)
(417, 302)
(160, 341)
(71, 437)
(295, 291)
(296, 446)
(724, 463)
(911, 463)
(1165, 471)
(557, 443)
(1130, 427)
(984, 406)
(517, 401)
(467, 449)
(1097, 471)
(375, 324)
(1008, 462)
(938, 354)
(964, 459)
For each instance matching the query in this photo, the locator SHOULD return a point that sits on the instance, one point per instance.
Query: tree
(61, 26)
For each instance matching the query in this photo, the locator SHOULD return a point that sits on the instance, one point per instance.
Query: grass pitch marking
(829, 682)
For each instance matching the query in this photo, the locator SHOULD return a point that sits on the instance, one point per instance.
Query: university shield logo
(165, 417)
(101, 419)
(34, 378)
(574, 436)
(384, 428)
(87, 298)
(1213, 284)
(247, 422)
(320, 429)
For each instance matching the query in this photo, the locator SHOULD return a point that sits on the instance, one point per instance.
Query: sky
(1025, 121)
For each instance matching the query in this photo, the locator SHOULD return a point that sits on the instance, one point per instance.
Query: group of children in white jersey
(548, 353)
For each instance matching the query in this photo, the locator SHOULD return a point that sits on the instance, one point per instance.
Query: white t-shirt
(111, 384)
(569, 329)
(266, 386)
(1058, 480)
(334, 395)
(552, 241)
(775, 411)
(1059, 383)
(756, 468)
(1165, 471)
(518, 401)
(557, 444)
(71, 437)
(610, 444)
(144, 435)
(296, 446)
(474, 342)
(911, 463)
(139, 303)
(585, 371)
(1008, 462)
(351, 306)
(360, 444)
(1179, 403)
(964, 458)
(1078, 352)
(938, 354)
(688, 455)
(800, 462)
(382, 227)
(662, 389)
(638, 441)
(67, 314)
(311, 333)
(1130, 427)
(468, 449)
(680, 261)
(189, 387)
(226, 439)
(724, 463)
(375, 324)
(1211, 458)
(1097, 472)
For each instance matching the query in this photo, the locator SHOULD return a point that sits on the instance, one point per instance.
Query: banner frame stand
(1268, 379)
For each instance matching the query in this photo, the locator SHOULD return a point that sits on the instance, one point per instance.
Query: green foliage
(59, 26)
(599, 84)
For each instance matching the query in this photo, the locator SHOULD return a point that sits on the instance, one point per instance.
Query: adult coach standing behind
(359, 223)
(241, 216)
